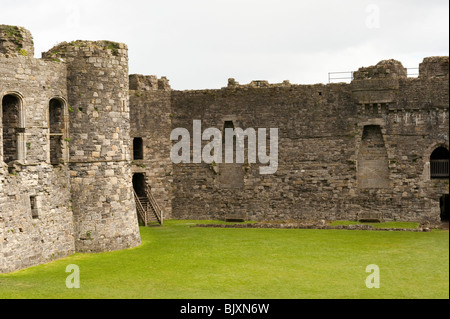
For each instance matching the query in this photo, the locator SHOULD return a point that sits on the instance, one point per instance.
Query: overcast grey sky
(199, 44)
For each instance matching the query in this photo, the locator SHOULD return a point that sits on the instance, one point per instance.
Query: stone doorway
(139, 184)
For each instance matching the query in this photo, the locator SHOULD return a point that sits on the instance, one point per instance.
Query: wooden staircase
(147, 208)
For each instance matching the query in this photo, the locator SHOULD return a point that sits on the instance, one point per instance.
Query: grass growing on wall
(180, 261)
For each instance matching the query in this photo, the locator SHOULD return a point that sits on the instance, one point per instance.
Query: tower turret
(101, 182)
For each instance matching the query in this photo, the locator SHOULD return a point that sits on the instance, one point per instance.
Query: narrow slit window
(56, 121)
(34, 207)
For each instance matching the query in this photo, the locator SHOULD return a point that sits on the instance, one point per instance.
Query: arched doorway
(142, 200)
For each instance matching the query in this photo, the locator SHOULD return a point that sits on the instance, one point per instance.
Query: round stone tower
(101, 182)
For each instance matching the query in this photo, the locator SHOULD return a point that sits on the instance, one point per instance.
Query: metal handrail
(412, 74)
(350, 74)
(350, 77)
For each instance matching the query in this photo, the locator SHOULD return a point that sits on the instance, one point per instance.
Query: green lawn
(178, 261)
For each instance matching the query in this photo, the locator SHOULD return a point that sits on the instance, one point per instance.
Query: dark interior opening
(138, 148)
(228, 124)
(440, 153)
(139, 184)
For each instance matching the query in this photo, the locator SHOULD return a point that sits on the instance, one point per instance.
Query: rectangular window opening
(138, 148)
(34, 207)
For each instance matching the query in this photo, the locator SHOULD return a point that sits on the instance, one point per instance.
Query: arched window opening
(56, 126)
(439, 163)
(11, 125)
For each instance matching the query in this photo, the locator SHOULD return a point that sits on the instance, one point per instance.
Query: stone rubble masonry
(100, 176)
(15, 41)
(85, 203)
(345, 149)
(150, 109)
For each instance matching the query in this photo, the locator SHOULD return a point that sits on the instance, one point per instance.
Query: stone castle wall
(344, 149)
(75, 128)
(151, 111)
(314, 146)
(36, 223)
(65, 173)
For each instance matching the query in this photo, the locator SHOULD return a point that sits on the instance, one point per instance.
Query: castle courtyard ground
(181, 261)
